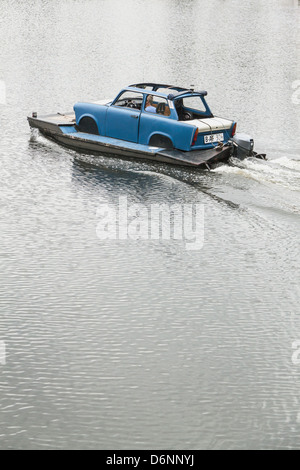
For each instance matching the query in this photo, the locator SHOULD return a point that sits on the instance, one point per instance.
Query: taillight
(233, 130)
(195, 136)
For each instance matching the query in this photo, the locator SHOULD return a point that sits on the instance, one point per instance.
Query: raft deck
(62, 128)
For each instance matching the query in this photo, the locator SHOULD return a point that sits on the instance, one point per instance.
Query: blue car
(156, 115)
(149, 120)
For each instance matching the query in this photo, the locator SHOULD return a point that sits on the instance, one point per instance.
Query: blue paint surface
(109, 141)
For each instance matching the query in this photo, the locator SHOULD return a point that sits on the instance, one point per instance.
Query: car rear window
(194, 103)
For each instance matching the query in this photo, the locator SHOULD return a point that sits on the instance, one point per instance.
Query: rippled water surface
(142, 344)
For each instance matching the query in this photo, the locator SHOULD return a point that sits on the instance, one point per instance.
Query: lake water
(144, 344)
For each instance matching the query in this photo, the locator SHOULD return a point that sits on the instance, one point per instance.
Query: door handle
(134, 116)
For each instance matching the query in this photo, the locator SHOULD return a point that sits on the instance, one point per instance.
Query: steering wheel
(132, 104)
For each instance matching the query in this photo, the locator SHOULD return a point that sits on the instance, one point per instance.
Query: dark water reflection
(145, 344)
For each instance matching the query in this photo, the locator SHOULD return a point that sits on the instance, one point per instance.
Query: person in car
(149, 105)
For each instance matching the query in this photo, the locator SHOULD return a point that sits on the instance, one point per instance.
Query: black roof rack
(178, 90)
(156, 86)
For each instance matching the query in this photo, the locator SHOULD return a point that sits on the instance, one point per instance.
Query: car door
(123, 117)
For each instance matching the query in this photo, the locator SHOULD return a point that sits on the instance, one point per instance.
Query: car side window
(130, 99)
(157, 105)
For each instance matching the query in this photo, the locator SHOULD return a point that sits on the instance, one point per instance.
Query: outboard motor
(243, 146)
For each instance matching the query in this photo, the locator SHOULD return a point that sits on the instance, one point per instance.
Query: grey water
(144, 344)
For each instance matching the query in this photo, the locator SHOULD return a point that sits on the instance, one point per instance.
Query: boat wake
(272, 185)
(282, 171)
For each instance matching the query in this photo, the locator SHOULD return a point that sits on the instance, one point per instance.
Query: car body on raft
(149, 120)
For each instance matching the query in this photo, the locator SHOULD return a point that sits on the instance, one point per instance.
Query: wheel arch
(160, 139)
(88, 124)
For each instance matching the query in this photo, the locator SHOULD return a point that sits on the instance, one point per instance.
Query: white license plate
(209, 139)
